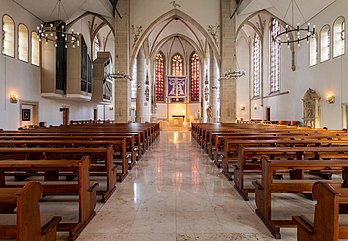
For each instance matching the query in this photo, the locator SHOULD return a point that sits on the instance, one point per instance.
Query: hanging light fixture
(56, 32)
(294, 34)
(120, 75)
(233, 74)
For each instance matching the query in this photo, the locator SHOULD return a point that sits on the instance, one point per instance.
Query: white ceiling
(303, 10)
(47, 10)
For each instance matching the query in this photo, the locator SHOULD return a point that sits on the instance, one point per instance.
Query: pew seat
(329, 222)
(20, 216)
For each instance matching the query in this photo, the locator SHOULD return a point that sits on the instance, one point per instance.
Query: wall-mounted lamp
(255, 107)
(242, 107)
(111, 107)
(13, 98)
(330, 99)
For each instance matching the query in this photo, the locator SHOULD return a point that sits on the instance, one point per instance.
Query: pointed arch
(177, 15)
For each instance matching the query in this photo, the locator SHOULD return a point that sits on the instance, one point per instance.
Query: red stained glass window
(159, 69)
(194, 76)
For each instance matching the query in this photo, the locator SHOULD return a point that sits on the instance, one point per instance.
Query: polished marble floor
(176, 193)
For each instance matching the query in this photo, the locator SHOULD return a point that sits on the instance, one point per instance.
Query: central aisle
(176, 193)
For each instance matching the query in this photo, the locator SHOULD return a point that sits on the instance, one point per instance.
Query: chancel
(173, 120)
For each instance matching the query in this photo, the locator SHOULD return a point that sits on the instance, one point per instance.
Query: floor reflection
(175, 193)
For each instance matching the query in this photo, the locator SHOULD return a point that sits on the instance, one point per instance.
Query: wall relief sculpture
(311, 109)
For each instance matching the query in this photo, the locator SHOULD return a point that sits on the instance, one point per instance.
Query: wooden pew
(26, 223)
(130, 140)
(328, 224)
(249, 160)
(119, 147)
(86, 192)
(105, 154)
(220, 139)
(299, 168)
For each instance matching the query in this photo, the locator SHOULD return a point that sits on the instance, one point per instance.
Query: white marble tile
(198, 222)
(102, 237)
(224, 237)
(152, 237)
(111, 221)
(154, 222)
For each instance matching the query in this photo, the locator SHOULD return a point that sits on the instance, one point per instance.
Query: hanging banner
(176, 86)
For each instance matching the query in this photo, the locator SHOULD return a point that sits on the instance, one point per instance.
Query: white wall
(24, 80)
(325, 78)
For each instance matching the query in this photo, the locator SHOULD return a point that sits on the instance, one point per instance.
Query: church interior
(173, 120)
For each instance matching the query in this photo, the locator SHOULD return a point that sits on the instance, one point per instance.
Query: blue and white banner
(176, 86)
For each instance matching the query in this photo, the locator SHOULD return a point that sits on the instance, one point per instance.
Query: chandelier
(294, 34)
(234, 74)
(59, 35)
(120, 75)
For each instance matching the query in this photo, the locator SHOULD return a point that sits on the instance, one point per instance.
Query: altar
(177, 120)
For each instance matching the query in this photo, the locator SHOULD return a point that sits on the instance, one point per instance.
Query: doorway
(65, 116)
(95, 114)
(268, 113)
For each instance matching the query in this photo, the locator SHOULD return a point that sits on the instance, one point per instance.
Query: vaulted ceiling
(49, 10)
(291, 11)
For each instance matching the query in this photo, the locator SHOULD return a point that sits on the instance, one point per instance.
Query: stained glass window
(8, 36)
(159, 69)
(177, 69)
(325, 42)
(256, 65)
(194, 76)
(177, 65)
(35, 49)
(274, 58)
(313, 50)
(339, 37)
(23, 43)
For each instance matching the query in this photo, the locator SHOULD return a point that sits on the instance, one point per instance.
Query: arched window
(256, 65)
(159, 70)
(35, 49)
(325, 43)
(96, 47)
(177, 69)
(313, 50)
(23, 43)
(339, 37)
(194, 76)
(177, 65)
(8, 36)
(274, 58)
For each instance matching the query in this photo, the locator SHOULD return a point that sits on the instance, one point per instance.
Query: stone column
(141, 75)
(228, 49)
(214, 88)
(122, 86)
